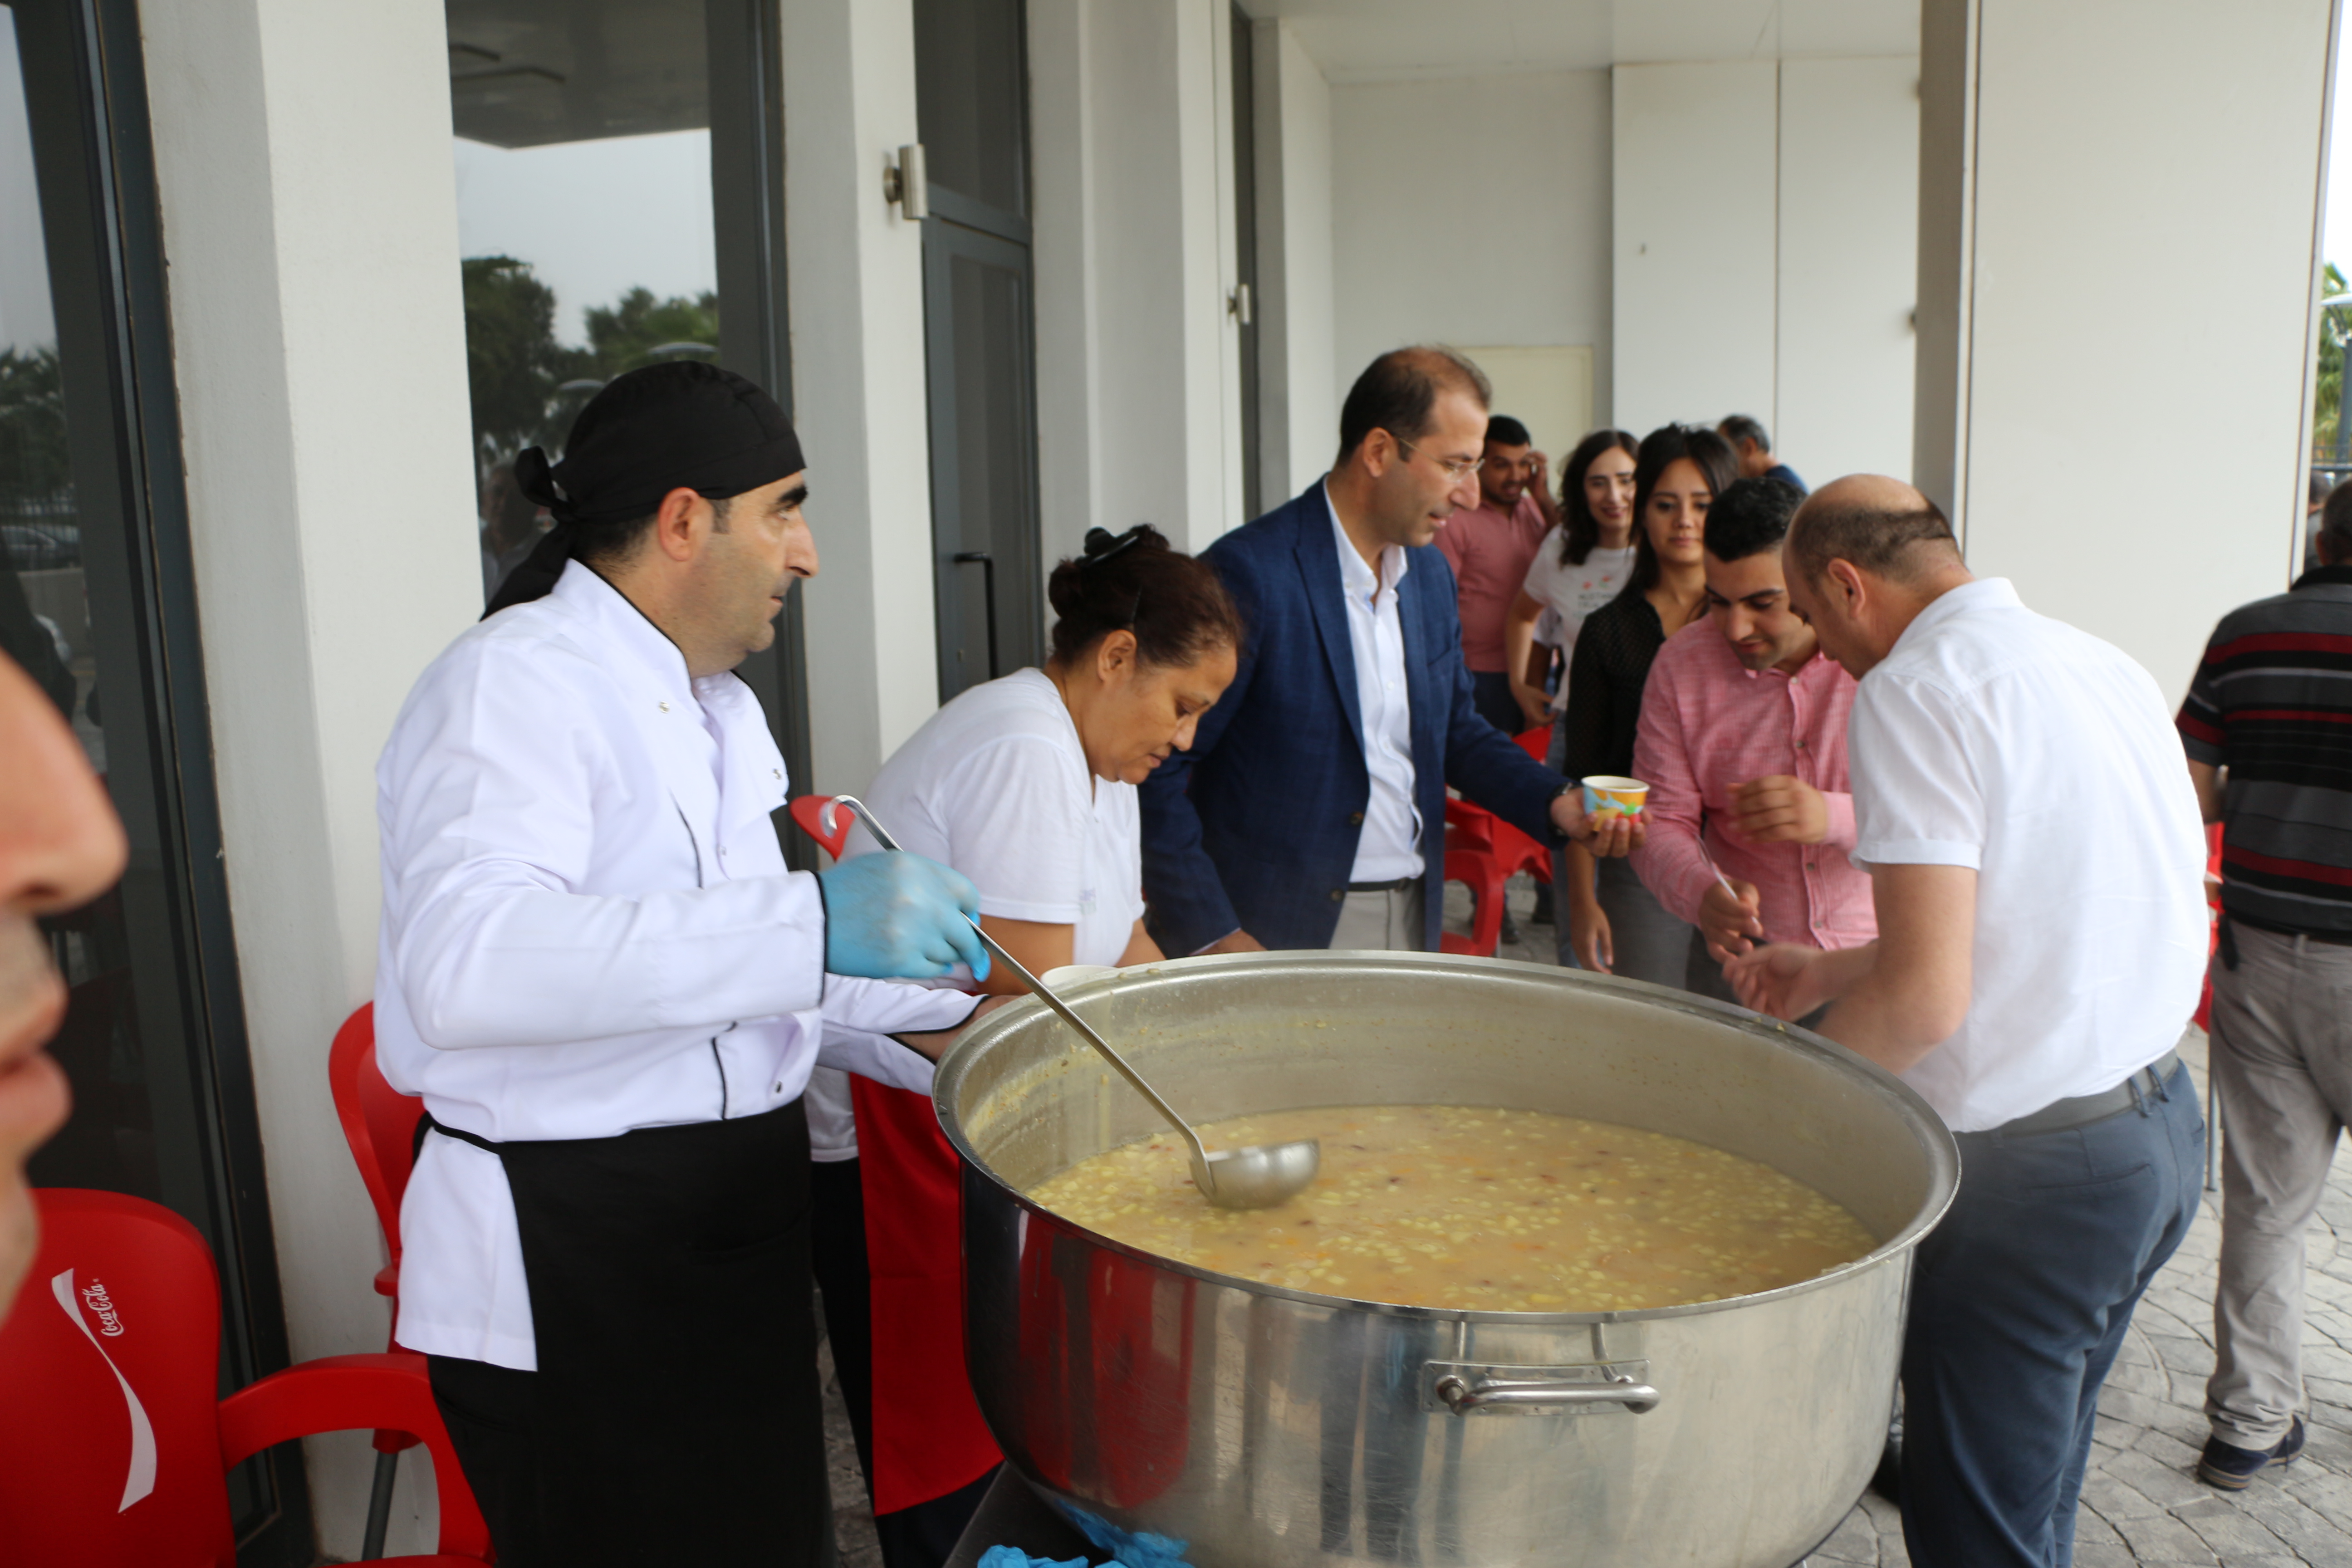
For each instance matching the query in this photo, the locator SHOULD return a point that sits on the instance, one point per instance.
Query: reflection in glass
(45, 626)
(585, 219)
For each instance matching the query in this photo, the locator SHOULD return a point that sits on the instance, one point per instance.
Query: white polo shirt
(1388, 847)
(1995, 738)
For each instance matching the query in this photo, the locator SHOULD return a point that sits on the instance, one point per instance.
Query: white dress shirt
(1995, 738)
(996, 785)
(1389, 846)
(588, 927)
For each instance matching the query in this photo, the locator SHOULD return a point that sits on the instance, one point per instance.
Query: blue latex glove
(899, 917)
(1013, 1557)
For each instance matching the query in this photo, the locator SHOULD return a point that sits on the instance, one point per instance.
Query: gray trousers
(2283, 1060)
(1381, 922)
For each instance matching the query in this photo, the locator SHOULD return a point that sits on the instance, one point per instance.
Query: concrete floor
(2142, 1504)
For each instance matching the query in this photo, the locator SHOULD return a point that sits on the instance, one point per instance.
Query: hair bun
(1103, 546)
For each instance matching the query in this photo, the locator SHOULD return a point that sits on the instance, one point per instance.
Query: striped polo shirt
(2272, 703)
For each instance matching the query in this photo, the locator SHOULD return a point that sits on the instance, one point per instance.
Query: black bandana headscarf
(667, 427)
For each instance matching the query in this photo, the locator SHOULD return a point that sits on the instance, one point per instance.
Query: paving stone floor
(2141, 1504)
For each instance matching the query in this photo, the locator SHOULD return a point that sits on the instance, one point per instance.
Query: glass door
(97, 602)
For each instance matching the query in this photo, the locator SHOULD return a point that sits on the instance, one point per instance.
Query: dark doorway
(971, 78)
(98, 603)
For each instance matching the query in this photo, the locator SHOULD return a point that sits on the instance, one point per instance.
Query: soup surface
(1512, 1211)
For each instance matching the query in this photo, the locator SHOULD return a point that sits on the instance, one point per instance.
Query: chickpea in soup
(1456, 1206)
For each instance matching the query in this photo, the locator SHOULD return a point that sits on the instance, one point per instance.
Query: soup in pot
(1488, 1210)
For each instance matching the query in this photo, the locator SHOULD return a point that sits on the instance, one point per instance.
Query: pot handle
(1463, 1389)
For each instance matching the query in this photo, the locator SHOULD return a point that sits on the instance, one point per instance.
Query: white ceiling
(1399, 40)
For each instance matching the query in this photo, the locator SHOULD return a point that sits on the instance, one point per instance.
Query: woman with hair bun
(1025, 784)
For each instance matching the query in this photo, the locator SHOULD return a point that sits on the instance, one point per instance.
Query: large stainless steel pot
(1257, 1426)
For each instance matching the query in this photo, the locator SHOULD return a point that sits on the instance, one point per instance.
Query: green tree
(513, 363)
(34, 460)
(2328, 399)
(624, 334)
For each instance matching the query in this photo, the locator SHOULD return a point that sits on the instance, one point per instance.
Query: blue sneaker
(2230, 1468)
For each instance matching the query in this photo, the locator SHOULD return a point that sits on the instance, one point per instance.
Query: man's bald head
(1884, 526)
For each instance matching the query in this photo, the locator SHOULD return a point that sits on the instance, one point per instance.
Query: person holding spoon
(1742, 741)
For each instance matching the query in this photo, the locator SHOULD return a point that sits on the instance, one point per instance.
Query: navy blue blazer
(1255, 829)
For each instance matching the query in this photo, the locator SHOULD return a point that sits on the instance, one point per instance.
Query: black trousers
(675, 1414)
(925, 1535)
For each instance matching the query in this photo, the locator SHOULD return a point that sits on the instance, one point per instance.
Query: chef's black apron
(675, 1412)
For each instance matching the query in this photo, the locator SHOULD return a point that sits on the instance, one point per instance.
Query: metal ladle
(1257, 1177)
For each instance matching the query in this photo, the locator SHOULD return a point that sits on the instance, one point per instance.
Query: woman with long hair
(1579, 565)
(1025, 784)
(1614, 923)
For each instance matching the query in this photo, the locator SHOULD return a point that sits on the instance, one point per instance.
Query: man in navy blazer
(1312, 804)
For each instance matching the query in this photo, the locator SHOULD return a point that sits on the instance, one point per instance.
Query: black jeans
(2018, 1302)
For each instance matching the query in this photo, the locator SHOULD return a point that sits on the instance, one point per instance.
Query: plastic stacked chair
(115, 1446)
(379, 1125)
(1485, 852)
(2203, 1019)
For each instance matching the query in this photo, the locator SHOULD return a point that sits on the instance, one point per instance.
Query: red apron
(928, 1438)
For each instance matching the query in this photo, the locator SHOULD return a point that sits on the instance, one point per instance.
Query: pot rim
(1934, 1137)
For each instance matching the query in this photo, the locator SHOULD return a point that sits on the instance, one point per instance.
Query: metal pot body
(1255, 1427)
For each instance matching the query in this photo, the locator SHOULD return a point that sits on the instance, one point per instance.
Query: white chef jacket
(1997, 739)
(1388, 846)
(588, 927)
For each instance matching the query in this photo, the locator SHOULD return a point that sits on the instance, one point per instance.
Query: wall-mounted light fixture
(903, 183)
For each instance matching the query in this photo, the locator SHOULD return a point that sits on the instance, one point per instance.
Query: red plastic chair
(114, 1443)
(379, 1125)
(808, 810)
(2204, 1015)
(1485, 852)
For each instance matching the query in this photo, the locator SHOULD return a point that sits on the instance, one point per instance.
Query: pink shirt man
(1709, 724)
(1489, 551)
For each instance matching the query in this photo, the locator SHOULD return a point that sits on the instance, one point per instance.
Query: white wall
(1696, 258)
(1298, 411)
(856, 267)
(1137, 389)
(2128, 385)
(1849, 236)
(310, 221)
(1470, 210)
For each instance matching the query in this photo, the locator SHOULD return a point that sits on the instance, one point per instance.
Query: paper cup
(1614, 796)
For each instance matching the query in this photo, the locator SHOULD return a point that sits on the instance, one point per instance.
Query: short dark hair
(614, 544)
(1887, 542)
(1398, 390)
(1660, 449)
(1739, 427)
(1502, 430)
(1175, 604)
(2335, 526)
(1579, 531)
(1750, 517)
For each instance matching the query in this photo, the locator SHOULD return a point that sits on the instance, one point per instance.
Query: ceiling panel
(523, 73)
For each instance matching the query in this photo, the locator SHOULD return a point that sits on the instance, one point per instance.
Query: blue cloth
(2018, 1302)
(1013, 1557)
(1255, 829)
(1782, 471)
(1490, 694)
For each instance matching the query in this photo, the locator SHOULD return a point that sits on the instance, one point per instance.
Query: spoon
(1257, 1177)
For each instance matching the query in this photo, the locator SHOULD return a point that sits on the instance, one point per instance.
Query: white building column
(1298, 412)
(2112, 373)
(1137, 397)
(859, 400)
(310, 221)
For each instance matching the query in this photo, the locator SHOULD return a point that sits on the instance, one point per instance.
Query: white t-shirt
(1571, 592)
(1995, 738)
(996, 785)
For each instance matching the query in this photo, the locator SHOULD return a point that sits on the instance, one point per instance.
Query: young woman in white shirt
(1027, 785)
(1581, 565)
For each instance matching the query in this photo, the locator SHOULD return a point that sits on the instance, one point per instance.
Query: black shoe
(1543, 912)
(2230, 1468)
(1886, 1481)
(1510, 932)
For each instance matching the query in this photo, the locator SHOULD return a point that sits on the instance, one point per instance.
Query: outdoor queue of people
(1886, 799)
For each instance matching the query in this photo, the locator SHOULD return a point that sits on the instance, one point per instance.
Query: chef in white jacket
(596, 970)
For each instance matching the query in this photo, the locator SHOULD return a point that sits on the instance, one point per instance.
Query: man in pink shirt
(1489, 547)
(1742, 741)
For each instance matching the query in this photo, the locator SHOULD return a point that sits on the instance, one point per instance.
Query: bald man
(2035, 854)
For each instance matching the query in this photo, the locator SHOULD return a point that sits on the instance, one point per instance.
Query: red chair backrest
(1536, 742)
(379, 1121)
(808, 810)
(110, 1439)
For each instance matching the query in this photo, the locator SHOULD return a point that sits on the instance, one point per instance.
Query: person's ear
(1378, 453)
(1115, 659)
(674, 523)
(1847, 580)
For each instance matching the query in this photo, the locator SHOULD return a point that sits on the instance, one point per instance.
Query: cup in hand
(1614, 796)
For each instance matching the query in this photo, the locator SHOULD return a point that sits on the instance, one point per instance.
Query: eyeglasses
(1457, 468)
